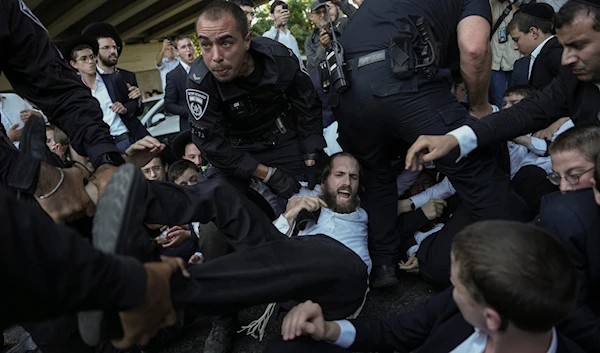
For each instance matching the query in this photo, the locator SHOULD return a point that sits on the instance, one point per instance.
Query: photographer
(315, 45)
(280, 14)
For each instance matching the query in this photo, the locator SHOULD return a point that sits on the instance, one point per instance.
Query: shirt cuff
(467, 140)
(538, 146)
(419, 200)
(347, 334)
(282, 224)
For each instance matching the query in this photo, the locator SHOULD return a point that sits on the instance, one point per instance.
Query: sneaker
(25, 345)
(220, 339)
(118, 229)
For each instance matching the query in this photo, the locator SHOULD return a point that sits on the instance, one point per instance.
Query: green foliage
(299, 24)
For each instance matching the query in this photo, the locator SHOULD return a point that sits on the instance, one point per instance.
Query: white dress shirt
(535, 54)
(185, 66)
(441, 190)
(112, 119)
(166, 67)
(349, 229)
(11, 106)
(475, 343)
(286, 38)
(478, 340)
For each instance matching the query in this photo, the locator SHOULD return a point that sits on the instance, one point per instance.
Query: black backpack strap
(505, 13)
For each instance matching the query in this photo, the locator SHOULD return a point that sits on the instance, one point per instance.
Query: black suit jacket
(175, 102)
(520, 74)
(564, 96)
(574, 219)
(118, 92)
(436, 326)
(547, 64)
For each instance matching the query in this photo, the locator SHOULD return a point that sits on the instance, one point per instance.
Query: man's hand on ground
(427, 149)
(142, 151)
(411, 265)
(70, 201)
(307, 319)
(156, 311)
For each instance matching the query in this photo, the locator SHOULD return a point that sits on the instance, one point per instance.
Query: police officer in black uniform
(253, 111)
(396, 57)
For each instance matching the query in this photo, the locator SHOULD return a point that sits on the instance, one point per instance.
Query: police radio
(332, 69)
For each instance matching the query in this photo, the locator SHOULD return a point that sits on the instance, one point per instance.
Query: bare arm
(476, 62)
(161, 52)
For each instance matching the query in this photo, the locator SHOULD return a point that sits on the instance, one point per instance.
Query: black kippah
(595, 3)
(538, 10)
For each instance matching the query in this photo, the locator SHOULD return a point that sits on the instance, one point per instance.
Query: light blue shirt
(473, 344)
(349, 229)
(286, 38)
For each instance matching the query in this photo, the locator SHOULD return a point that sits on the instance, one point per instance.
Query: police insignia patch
(197, 102)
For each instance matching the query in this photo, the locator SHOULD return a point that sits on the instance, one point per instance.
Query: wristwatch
(112, 158)
(412, 205)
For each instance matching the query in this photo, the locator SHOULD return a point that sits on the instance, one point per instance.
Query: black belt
(367, 59)
(125, 136)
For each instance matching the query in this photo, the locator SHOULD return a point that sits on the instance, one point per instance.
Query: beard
(108, 61)
(330, 198)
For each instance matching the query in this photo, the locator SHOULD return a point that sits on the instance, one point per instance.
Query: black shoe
(220, 339)
(118, 229)
(33, 142)
(383, 276)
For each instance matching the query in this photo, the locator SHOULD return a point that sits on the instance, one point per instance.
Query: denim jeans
(499, 84)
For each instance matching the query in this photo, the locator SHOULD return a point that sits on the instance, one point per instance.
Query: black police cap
(538, 10)
(179, 143)
(104, 30)
(80, 39)
(595, 3)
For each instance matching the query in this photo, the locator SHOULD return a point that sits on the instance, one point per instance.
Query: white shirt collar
(477, 342)
(537, 50)
(185, 66)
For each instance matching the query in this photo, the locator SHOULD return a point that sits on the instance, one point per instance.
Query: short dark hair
(582, 138)
(244, 3)
(215, 9)
(178, 38)
(522, 22)
(572, 9)
(78, 48)
(519, 270)
(277, 3)
(523, 90)
(177, 169)
(325, 171)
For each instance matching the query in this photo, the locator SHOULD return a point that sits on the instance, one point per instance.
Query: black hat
(179, 142)
(104, 30)
(595, 3)
(315, 5)
(80, 39)
(538, 10)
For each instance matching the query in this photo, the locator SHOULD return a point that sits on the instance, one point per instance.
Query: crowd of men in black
(290, 188)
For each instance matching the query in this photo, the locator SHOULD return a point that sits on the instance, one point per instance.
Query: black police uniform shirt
(212, 107)
(372, 28)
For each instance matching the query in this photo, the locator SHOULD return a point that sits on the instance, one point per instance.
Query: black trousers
(266, 266)
(381, 110)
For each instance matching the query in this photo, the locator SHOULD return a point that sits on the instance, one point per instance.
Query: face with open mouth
(340, 189)
(186, 50)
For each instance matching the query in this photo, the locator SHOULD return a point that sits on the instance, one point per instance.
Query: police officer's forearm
(261, 171)
(476, 73)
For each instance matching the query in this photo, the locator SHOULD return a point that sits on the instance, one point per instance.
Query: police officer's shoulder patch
(197, 102)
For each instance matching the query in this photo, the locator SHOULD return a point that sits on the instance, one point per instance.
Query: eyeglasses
(572, 179)
(85, 59)
(321, 12)
(155, 169)
(109, 47)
